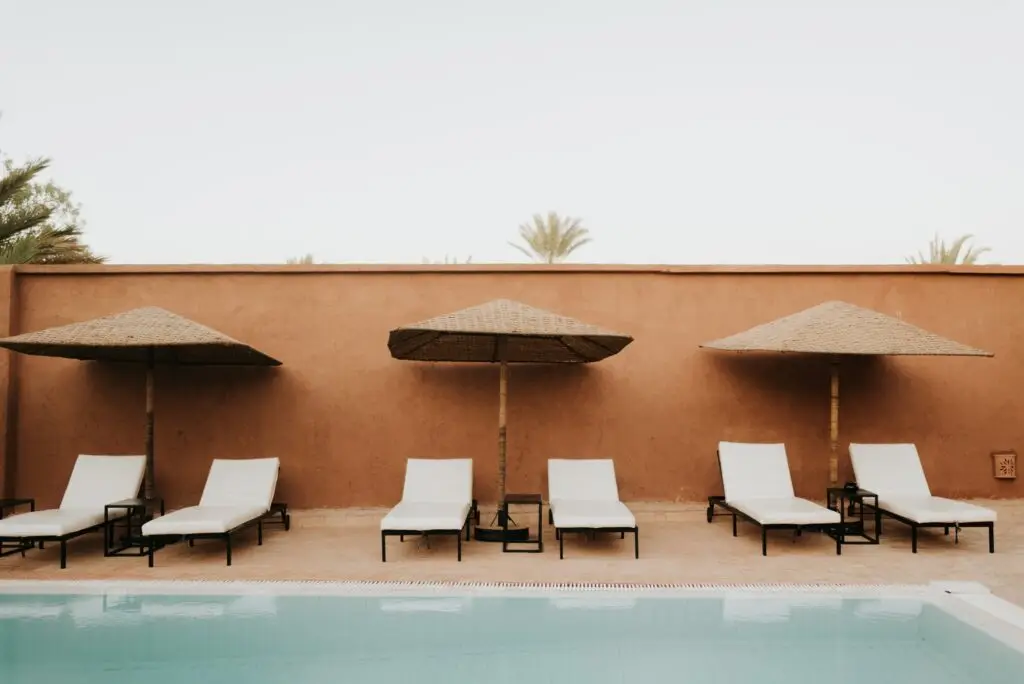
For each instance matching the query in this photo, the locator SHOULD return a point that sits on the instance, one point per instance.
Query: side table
(536, 543)
(844, 501)
(133, 513)
(15, 546)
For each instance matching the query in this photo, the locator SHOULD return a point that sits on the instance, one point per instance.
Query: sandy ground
(677, 545)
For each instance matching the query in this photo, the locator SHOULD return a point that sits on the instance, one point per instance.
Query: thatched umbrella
(503, 332)
(836, 329)
(149, 335)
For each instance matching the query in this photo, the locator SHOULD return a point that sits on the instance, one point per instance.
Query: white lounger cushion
(422, 516)
(592, 514)
(95, 482)
(584, 493)
(757, 481)
(55, 522)
(202, 520)
(99, 480)
(894, 472)
(437, 495)
(754, 471)
(582, 479)
(792, 511)
(236, 491)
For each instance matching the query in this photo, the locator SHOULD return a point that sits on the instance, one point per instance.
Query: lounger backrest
(99, 480)
(889, 469)
(248, 482)
(754, 471)
(582, 479)
(438, 480)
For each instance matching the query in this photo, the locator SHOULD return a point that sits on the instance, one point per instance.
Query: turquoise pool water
(256, 639)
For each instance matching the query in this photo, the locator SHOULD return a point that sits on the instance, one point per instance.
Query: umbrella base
(499, 534)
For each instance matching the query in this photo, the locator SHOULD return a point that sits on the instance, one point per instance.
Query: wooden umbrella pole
(150, 481)
(833, 428)
(502, 403)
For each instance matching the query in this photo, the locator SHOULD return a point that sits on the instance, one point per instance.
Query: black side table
(537, 543)
(8, 506)
(845, 501)
(137, 512)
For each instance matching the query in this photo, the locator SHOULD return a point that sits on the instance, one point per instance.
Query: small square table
(137, 512)
(537, 543)
(844, 501)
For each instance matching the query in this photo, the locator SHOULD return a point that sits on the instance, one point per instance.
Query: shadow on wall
(564, 393)
(778, 392)
(193, 406)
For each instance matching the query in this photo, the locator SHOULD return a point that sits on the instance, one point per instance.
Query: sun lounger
(894, 473)
(583, 497)
(95, 482)
(758, 488)
(437, 499)
(238, 494)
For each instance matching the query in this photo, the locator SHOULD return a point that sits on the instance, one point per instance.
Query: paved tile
(677, 545)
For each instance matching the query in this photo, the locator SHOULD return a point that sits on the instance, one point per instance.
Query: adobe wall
(343, 415)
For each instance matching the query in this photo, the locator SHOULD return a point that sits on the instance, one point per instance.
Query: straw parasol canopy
(504, 331)
(836, 329)
(149, 335)
(529, 335)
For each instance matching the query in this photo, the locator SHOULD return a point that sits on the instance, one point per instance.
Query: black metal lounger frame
(472, 516)
(153, 543)
(635, 530)
(719, 501)
(23, 544)
(914, 526)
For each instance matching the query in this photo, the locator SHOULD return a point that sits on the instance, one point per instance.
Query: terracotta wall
(343, 415)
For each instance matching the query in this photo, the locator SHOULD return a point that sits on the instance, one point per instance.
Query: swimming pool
(207, 632)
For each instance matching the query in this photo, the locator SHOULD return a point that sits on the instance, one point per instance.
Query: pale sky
(680, 131)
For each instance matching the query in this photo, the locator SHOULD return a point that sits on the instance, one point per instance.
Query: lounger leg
(991, 537)
(636, 542)
(946, 529)
(839, 542)
(468, 525)
(383, 548)
(401, 537)
(734, 524)
(259, 532)
(561, 545)
(459, 538)
(764, 541)
(63, 554)
(227, 539)
(913, 538)
(151, 549)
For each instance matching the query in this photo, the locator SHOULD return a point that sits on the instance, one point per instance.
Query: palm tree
(39, 224)
(305, 259)
(952, 254)
(15, 216)
(551, 239)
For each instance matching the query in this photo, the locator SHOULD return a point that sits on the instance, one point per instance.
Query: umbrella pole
(150, 481)
(502, 442)
(833, 427)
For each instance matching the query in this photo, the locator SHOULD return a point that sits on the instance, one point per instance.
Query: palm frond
(953, 254)
(551, 239)
(19, 180)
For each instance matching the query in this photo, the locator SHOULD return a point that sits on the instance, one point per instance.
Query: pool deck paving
(677, 546)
